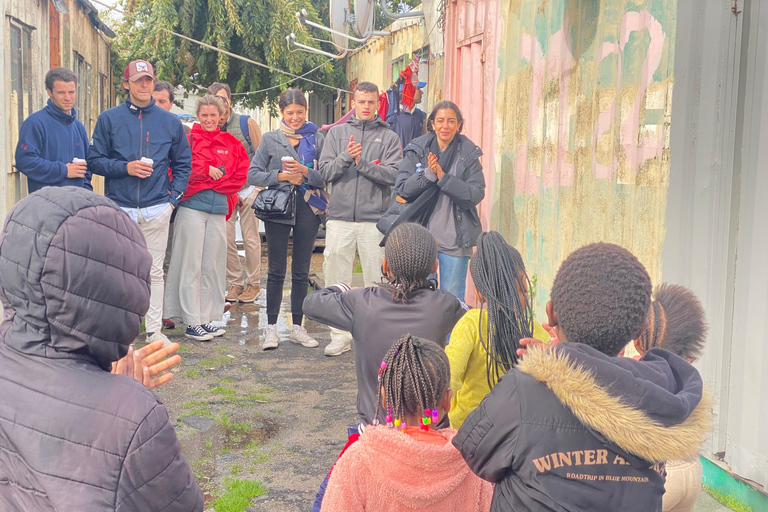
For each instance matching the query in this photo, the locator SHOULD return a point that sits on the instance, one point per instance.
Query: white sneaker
(299, 335)
(271, 338)
(338, 347)
(214, 331)
(159, 336)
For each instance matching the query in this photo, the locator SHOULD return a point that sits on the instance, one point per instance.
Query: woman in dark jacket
(287, 159)
(446, 165)
(197, 272)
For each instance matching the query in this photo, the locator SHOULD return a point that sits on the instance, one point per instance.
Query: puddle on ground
(214, 444)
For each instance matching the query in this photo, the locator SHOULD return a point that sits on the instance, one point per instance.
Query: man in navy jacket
(53, 144)
(134, 145)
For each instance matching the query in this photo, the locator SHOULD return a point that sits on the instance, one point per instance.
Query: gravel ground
(278, 417)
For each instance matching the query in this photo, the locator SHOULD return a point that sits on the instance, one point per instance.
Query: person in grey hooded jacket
(73, 436)
(359, 162)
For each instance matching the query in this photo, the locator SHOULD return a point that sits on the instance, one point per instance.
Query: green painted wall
(583, 111)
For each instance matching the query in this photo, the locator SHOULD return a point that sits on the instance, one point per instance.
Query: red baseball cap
(137, 69)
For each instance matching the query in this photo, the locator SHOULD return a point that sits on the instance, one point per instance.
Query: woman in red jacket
(197, 273)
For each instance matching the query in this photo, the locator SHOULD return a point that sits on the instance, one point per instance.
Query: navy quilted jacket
(74, 273)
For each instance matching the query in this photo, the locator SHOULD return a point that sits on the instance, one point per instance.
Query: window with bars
(21, 78)
(82, 70)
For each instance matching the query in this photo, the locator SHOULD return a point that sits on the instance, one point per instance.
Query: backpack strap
(246, 132)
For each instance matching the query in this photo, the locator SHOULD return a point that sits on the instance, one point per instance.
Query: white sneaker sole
(269, 345)
(219, 332)
(308, 343)
(207, 337)
(333, 353)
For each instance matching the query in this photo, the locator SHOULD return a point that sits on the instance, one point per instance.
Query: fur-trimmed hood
(654, 408)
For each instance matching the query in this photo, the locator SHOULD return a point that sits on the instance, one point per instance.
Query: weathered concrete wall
(582, 118)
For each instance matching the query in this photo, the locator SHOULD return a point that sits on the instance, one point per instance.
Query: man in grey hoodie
(359, 162)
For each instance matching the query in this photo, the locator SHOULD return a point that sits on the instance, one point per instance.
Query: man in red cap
(134, 145)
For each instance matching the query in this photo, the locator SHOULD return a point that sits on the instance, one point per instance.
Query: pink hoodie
(387, 470)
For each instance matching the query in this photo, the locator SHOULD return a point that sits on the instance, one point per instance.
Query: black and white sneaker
(196, 332)
(213, 331)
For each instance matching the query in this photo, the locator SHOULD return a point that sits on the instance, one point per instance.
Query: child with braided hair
(406, 301)
(407, 464)
(484, 342)
(676, 322)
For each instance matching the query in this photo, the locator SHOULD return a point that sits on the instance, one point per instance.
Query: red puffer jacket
(217, 149)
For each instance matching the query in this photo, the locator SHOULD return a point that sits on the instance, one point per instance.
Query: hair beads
(415, 376)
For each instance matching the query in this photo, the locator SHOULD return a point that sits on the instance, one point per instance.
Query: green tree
(255, 29)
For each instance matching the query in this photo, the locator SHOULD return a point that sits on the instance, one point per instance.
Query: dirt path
(276, 417)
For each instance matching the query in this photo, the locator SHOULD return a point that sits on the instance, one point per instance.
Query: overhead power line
(251, 61)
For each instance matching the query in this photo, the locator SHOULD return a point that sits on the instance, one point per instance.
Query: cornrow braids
(411, 252)
(415, 375)
(676, 322)
(498, 272)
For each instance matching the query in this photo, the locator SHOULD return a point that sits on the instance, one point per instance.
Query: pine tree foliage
(255, 29)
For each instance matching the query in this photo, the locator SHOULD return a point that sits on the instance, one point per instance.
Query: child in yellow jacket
(480, 353)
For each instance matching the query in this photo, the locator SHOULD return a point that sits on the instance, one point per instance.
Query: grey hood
(74, 277)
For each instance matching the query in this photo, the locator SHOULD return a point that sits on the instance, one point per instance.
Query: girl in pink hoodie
(406, 465)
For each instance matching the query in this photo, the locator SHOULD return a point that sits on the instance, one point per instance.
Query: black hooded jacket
(74, 273)
(571, 429)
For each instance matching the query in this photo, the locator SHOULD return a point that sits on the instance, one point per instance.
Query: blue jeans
(453, 274)
(321, 492)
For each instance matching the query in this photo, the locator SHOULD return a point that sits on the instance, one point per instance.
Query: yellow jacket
(466, 354)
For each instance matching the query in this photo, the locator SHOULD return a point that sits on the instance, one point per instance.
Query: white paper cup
(147, 160)
(78, 160)
(287, 159)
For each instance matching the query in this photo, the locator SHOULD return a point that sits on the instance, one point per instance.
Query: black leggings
(304, 234)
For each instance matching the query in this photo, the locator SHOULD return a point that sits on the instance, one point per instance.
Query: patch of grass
(227, 379)
(225, 451)
(256, 396)
(224, 421)
(194, 404)
(214, 363)
(192, 373)
(223, 390)
(238, 494)
(278, 411)
(728, 501)
(236, 469)
(183, 349)
(244, 369)
(200, 412)
(208, 443)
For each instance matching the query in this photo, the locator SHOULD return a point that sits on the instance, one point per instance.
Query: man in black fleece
(575, 428)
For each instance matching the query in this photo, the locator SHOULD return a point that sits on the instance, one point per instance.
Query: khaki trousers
(683, 485)
(156, 235)
(195, 291)
(249, 225)
(341, 240)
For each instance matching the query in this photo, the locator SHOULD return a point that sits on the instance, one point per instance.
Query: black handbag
(275, 204)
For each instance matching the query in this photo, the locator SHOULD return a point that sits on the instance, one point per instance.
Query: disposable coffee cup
(78, 160)
(287, 159)
(147, 160)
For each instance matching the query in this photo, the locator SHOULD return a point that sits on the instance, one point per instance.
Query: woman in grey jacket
(446, 164)
(287, 158)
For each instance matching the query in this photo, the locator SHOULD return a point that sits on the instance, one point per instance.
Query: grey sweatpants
(197, 273)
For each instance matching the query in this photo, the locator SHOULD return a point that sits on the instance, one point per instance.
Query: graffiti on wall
(582, 115)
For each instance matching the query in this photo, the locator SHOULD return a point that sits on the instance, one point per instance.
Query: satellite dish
(364, 12)
(338, 14)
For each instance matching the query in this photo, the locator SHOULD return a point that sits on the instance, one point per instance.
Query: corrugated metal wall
(717, 216)
(582, 118)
